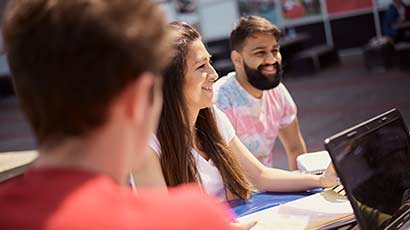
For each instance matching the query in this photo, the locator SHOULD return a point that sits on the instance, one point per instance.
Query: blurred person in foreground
(87, 74)
(254, 98)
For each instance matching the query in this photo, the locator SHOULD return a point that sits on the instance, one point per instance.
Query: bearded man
(258, 105)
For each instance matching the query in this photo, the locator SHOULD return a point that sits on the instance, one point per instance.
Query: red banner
(337, 6)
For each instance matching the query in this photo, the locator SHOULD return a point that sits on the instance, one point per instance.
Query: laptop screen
(373, 162)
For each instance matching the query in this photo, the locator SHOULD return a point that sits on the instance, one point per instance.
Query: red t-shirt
(69, 199)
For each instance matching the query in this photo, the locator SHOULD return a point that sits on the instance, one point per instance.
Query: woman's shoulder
(224, 124)
(216, 111)
(220, 116)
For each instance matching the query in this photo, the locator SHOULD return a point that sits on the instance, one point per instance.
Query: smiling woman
(196, 143)
(189, 145)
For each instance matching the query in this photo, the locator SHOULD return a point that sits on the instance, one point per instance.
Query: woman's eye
(201, 66)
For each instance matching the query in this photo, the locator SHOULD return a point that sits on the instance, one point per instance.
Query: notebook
(325, 210)
(372, 160)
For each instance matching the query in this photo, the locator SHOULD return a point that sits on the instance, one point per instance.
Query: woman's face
(199, 77)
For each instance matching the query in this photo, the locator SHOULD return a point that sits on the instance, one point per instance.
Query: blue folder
(264, 200)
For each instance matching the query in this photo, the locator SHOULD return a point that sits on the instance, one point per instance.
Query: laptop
(372, 160)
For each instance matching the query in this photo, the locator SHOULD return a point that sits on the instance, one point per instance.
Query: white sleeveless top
(210, 176)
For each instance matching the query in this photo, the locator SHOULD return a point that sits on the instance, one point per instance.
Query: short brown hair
(247, 27)
(71, 58)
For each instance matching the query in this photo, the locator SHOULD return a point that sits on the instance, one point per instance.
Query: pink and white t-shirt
(257, 121)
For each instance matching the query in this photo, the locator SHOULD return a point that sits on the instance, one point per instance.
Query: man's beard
(260, 81)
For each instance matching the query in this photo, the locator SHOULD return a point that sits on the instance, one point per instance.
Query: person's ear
(236, 58)
(141, 98)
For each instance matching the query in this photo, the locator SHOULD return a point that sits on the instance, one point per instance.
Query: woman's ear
(236, 58)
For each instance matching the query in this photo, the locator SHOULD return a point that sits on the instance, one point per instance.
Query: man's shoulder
(279, 95)
(185, 207)
(189, 195)
(113, 206)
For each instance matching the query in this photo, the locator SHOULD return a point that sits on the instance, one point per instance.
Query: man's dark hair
(249, 26)
(71, 58)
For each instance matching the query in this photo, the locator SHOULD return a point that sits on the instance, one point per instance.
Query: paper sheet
(306, 213)
(272, 220)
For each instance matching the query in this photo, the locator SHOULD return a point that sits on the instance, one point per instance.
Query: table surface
(10, 160)
(15, 163)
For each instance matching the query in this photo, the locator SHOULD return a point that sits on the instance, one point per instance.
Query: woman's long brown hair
(174, 134)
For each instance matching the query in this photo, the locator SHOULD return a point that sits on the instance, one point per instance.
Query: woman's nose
(212, 75)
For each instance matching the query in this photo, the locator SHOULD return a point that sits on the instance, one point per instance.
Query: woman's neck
(193, 115)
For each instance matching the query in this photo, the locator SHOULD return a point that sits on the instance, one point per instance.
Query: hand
(329, 178)
(243, 226)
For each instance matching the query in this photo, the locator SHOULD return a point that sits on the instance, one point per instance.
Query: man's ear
(140, 98)
(236, 58)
